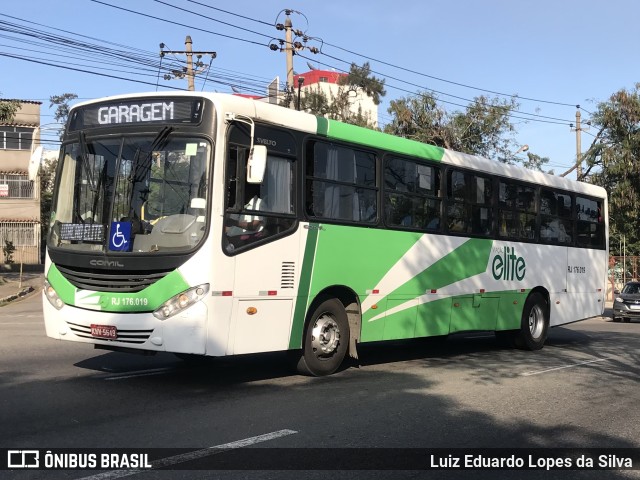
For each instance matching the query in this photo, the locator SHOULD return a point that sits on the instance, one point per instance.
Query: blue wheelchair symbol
(120, 237)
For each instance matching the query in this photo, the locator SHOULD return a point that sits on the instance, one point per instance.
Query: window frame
(437, 173)
(309, 179)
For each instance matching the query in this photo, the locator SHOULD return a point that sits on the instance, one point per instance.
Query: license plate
(104, 331)
(634, 307)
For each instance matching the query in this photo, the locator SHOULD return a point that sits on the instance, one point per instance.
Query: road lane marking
(528, 374)
(187, 457)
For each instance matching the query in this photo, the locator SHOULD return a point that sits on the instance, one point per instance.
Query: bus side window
(340, 183)
(411, 194)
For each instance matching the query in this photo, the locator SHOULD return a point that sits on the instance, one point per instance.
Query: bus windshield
(131, 194)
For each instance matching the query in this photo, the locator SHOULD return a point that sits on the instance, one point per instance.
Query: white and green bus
(210, 224)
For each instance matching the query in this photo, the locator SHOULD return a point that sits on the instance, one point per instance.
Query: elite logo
(508, 266)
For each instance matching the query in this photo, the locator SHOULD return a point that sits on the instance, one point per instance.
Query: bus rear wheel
(326, 339)
(534, 325)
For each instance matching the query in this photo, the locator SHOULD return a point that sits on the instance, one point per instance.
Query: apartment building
(19, 186)
(326, 81)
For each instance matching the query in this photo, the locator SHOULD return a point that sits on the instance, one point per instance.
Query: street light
(300, 82)
(523, 148)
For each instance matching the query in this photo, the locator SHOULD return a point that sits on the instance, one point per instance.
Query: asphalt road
(581, 390)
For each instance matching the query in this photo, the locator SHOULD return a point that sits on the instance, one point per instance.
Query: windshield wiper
(84, 155)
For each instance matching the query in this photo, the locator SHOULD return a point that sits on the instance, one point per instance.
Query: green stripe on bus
(468, 260)
(323, 126)
(297, 327)
(146, 300)
(65, 290)
(375, 139)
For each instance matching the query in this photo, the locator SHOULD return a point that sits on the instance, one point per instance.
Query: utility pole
(578, 129)
(290, 46)
(288, 49)
(578, 165)
(188, 71)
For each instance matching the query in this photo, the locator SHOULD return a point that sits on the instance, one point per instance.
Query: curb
(17, 296)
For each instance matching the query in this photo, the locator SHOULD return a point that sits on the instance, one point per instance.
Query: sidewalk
(13, 286)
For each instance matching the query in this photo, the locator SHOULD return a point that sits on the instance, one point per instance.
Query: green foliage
(8, 250)
(360, 78)
(47, 170)
(536, 162)
(46, 174)
(483, 128)
(337, 106)
(62, 110)
(613, 161)
(8, 109)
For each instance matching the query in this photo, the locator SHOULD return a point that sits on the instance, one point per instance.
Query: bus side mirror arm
(257, 161)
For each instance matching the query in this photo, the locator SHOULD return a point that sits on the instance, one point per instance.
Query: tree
(613, 162)
(47, 170)
(536, 162)
(62, 109)
(8, 109)
(483, 128)
(337, 106)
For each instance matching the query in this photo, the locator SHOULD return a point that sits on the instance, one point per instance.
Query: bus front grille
(101, 281)
(124, 336)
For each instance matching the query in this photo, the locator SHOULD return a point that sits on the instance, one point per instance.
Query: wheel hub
(536, 322)
(325, 336)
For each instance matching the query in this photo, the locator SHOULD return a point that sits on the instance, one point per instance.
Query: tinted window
(469, 206)
(411, 191)
(341, 183)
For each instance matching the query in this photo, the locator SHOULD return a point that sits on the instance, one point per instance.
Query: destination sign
(140, 111)
(87, 232)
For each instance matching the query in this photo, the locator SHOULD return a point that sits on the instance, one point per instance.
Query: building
(19, 186)
(326, 81)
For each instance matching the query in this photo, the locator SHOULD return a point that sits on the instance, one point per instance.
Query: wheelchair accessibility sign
(120, 237)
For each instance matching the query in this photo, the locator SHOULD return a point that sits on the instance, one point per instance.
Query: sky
(552, 54)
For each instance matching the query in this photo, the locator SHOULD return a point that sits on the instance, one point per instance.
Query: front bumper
(624, 310)
(185, 332)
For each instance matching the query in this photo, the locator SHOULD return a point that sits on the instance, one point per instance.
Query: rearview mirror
(256, 164)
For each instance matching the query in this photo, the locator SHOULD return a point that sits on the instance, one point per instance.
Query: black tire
(326, 339)
(534, 325)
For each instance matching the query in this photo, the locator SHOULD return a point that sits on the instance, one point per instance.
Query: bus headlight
(52, 296)
(180, 302)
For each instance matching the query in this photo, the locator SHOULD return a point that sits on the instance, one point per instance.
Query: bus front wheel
(534, 325)
(326, 339)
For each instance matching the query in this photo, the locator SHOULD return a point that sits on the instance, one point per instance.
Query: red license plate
(104, 331)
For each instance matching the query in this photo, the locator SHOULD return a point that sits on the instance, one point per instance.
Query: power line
(231, 13)
(178, 23)
(214, 19)
(148, 61)
(560, 120)
(367, 57)
(464, 106)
